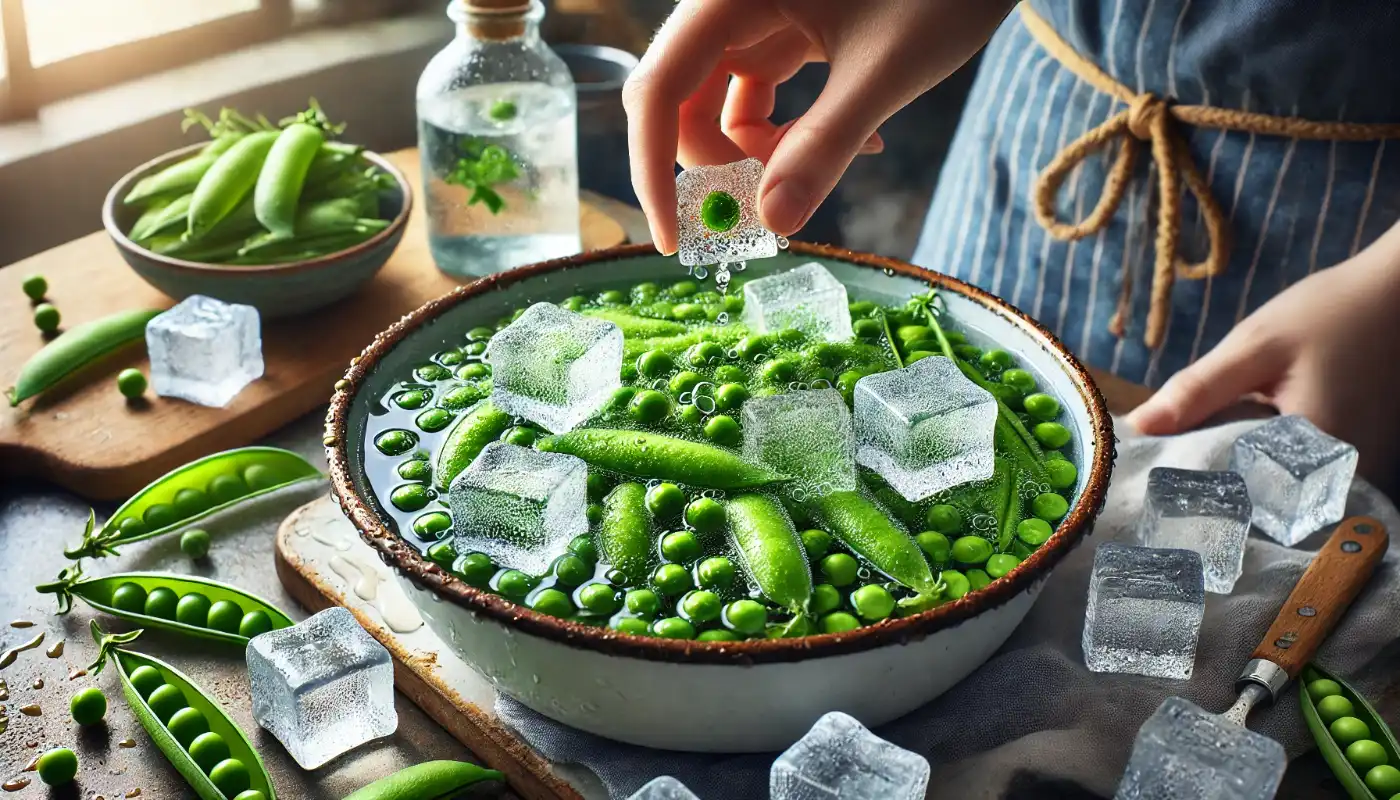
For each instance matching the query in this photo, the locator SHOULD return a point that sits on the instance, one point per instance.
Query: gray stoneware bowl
(275, 290)
(711, 696)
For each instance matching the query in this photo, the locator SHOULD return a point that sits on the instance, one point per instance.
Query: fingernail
(785, 207)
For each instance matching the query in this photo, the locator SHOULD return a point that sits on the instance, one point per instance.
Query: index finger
(684, 54)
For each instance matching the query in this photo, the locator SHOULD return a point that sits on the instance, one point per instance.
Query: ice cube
(925, 428)
(808, 298)
(735, 233)
(322, 686)
(1298, 477)
(519, 506)
(554, 367)
(1203, 511)
(664, 788)
(840, 758)
(1145, 609)
(204, 350)
(805, 434)
(1184, 751)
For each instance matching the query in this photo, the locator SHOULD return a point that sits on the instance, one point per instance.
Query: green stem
(889, 339)
(1010, 511)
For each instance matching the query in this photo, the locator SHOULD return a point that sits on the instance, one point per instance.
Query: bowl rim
(125, 243)
(427, 575)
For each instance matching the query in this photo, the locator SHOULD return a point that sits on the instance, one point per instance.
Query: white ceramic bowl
(715, 696)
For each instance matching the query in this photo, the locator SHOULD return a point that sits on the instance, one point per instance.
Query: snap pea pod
(171, 216)
(625, 536)
(771, 550)
(471, 432)
(218, 763)
(635, 327)
(150, 599)
(1009, 512)
(431, 780)
(147, 218)
(725, 335)
(76, 348)
(283, 175)
(183, 176)
(337, 216)
(865, 528)
(228, 181)
(653, 455)
(1319, 684)
(192, 492)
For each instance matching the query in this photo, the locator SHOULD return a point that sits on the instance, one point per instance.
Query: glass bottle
(497, 135)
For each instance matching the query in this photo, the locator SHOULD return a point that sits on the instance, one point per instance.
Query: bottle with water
(497, 121)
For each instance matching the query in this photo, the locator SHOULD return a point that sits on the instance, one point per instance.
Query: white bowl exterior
(713, 707)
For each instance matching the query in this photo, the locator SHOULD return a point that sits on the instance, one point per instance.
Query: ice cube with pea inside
(1184, 751)
(204, 350)
(322, 686)
(1199, 510)
(519, 506)
(1298, 477)
(925, 428)
(806, 434)
(808, 298)
(1144, 612)
(717, 215)
(664, 788)
(839, 757)
(555, 367)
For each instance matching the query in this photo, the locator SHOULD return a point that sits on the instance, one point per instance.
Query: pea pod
(865, 528)
(654, 455)
(76, 348)
(192, 492)
(474, 430)
(101, 594)
(625, 536)
(431, 780)
(144, 222)
(234, 740)
(770, 549)
(635, 327)
(171, 216)
(1010, 509)
(182, 176)
(1332, 751)
(228, 181)
(726, 334)
(283, 175)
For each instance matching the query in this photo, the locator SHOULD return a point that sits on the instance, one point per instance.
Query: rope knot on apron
(1143, 112)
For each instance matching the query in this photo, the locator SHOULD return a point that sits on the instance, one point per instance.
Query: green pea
(1365, 755)
(655, 363)
(688, 311)
(704, 515)
(673, 628)
(971, 550)
(479, 334)
(433, 420)
(1323, 687)
(571, 570)
(514, 584)
(1383, 780)
(645, 289)
(411, 497)
(671, 580)
(825, 598)
(642, 602)
(839, 569)
(1333, 708)
(1034, 531)
(57, 766)
(186, 725)
(131, 383)
(224, 615)
(442, 553)
(816, 542)
(977, 578)
(35, 287)
(46, 317)
(193, 609)
(88, 706)
(129, 597)
(684, 288)
(717, 635)
(432, 372)
(159, 516)
(730, 396)
(474, 371)
(1050, 507)
(415, 469)
(704, 353)
(450, 358)
(225, 488)
(867, 329)
(1000, 564)
(621, 397)
(861, 308)
(475, 568)
(701, 606)
(1020, 380)
(475, 349)
(254, 623)
(689, 415)
(207, 750)
(1062, 474)
(573, 303)
(146, 679)
(839, 622)
(594, 513)
(751, 347)
(728, 373)
(520, 436)
(779, 370)
(631, 626)
(230, 776)
(715, 572)
(745, 616)
(872, 602)
(599, 598)
(680, 547)
(195, 543)
(613, 297)
(722, 429)
(552, 602)
(165, 700)
(1348, 729)
(996, 360)
(432, 526)
(944, 519)
(395, 442)
(1051, 434)
(665, 500)
(1042, 406)
(684, 381)
(956, 584)
(935, 545)
(131, 526)
(967, 352)
(583, 547)
(161, 603)
(649, 406)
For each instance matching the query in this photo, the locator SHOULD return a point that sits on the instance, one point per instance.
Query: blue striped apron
(1294, 206)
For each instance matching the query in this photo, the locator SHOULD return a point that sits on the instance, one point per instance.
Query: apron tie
(1151, 120)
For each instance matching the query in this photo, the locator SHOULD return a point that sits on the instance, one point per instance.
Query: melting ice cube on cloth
(664, 788)
(840, 758)
(322, 686)
(1144, 612)
(554, 367)
(1207, 512)
(204, 350)
(808, 298)
(1183, 751)
(717, 215)
(805, 434)
(1298, 477)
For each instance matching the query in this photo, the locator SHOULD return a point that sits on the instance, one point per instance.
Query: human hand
(682, 105)
(1327, 348)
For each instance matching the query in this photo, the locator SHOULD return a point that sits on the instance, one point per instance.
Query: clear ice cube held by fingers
(717, 215)
(204, 350)
(1184, 751)
(840, 758)
(1144, 612)
(1208, 512)
(808, 298)
(1298, 477)
(554, 367)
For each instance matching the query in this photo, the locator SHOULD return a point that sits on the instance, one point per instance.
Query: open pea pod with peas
(193, 492)
(186, 604)
(204, 745)
(1355, 742)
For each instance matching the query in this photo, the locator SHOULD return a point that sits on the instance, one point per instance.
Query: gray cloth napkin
(1033, 721)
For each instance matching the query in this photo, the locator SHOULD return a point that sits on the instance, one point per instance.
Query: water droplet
(723, 319)
(685, 398)
(700, 273)
(888, 271)
(740, 267)
(783, 243)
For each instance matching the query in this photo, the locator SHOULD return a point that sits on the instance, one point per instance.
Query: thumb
(1237, 366)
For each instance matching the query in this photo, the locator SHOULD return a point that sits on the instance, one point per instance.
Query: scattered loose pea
(195, 543)
(825, 598)
(1034, 531)
(514, 584)
(728, 373)
(57, 766)
(867, 329)
(433, 420)
(594, 513)
(131, 383)
(631, 625)
(1062, 473)
(411, 497)
(475, 568)
(46, 317)
(442, 553)
(684, 381)
(722, 429)
(1050, 507)
(730, 396)
(583, 547)
(665, 500)
(1041, 406)
(779, 370)
(704, 353)
(88, 706)
(415, 469)
(1020, 380)
(520, 436)
(996, 360)
(977, 578)
(717, 635)
(613, 297)
(655, 363)
(35, 287)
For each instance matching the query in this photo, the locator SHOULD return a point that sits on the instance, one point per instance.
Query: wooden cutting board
(87, 438)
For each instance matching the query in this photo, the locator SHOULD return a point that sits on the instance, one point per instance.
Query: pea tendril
(62, 586)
